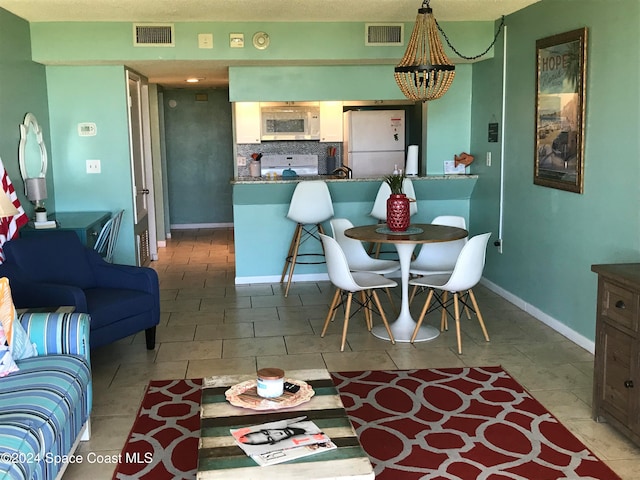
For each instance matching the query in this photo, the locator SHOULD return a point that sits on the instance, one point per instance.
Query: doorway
(140, 151)
(198, 138)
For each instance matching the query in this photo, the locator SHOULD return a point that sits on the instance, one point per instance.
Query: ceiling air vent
(153, 35)
(384, 34)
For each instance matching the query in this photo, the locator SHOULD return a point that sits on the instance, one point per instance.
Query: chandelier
(424, 73)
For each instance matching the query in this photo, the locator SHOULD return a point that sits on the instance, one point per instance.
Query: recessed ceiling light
(194, 80)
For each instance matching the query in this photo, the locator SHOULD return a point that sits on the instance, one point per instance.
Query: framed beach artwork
(560, 106)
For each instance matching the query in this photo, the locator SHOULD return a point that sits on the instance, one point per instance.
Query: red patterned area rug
(436, 424)
(163, 443)
(460, 423)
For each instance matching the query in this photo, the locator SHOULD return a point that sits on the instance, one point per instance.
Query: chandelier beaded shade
(424, 73)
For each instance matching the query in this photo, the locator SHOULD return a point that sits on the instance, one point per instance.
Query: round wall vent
(261, 40)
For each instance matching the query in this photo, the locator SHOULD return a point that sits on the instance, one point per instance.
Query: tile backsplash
(290, 148)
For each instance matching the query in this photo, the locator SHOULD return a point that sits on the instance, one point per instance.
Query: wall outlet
(93, 166)
(241, 161)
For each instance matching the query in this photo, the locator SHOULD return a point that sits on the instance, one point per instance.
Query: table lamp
(7, 208)
(37, 192)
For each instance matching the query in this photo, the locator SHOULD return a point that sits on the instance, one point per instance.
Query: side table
(87, 225)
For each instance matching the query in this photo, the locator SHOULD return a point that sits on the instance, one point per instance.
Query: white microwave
(290, 123)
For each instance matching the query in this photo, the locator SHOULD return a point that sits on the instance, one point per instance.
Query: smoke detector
(261, 40)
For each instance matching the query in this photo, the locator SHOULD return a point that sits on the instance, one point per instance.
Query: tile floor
(211, 326)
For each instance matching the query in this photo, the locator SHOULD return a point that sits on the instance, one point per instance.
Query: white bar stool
(310, 206)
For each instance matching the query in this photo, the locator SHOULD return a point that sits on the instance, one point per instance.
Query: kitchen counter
(263, 232)
(333, 178)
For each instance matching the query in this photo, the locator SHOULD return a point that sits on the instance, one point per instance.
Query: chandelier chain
(495, 39)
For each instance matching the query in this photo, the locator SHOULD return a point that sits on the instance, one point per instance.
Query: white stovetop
(301, 164)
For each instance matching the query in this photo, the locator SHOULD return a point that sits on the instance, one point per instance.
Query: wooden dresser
(616, 382)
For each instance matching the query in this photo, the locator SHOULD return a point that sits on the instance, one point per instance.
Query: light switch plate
(93, 166)
(205, 40)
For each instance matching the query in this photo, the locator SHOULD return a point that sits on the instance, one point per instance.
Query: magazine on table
(277, 442)
(284, 455)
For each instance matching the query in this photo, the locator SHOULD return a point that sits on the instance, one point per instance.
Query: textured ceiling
(255, 10)
(166, 73)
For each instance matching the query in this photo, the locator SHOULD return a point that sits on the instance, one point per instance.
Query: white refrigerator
(374, 142)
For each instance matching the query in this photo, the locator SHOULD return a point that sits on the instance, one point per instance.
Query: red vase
(398, 212)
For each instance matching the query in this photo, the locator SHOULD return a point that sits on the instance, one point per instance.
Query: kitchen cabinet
(247, 122)
(617, 354)
(331, 122)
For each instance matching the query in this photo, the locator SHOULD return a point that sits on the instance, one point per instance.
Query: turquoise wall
(449, 122)
(313, 82)
(92, 94)
(552, 237)
(310, 42)
(23, 89)
(199, 152)
(262, 207)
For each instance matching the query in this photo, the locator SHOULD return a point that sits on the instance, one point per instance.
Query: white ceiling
(173, 73)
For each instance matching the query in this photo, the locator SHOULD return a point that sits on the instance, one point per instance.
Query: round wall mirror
(32, 152)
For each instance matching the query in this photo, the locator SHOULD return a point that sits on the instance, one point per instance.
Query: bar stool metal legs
(310, 206)
(300, 234)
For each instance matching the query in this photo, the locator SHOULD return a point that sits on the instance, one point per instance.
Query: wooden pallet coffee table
(220, 458)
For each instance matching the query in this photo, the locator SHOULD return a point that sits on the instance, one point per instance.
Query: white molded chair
(357, 256)
(379, 209)
(347, 283)
(108, 237)
(438, 257)
(466, 275)
(310, 205)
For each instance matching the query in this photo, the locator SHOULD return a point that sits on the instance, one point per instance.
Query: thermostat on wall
(87, 129)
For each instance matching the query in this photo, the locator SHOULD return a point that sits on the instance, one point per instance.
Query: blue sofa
(45, 406)
(55, 269)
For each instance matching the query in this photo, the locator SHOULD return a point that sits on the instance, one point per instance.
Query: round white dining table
(405, 242)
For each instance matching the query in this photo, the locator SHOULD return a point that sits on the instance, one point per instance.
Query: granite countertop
(332, 178)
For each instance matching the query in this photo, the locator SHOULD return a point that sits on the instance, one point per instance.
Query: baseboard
(162, 244)
(195, 226)
(548, 320)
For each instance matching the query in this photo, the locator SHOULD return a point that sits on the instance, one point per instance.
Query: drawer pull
(620, 304)
(628, 384)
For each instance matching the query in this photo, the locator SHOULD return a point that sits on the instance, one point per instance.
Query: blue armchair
(55, 269)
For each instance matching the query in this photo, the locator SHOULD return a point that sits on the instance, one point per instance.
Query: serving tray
(245, 395)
